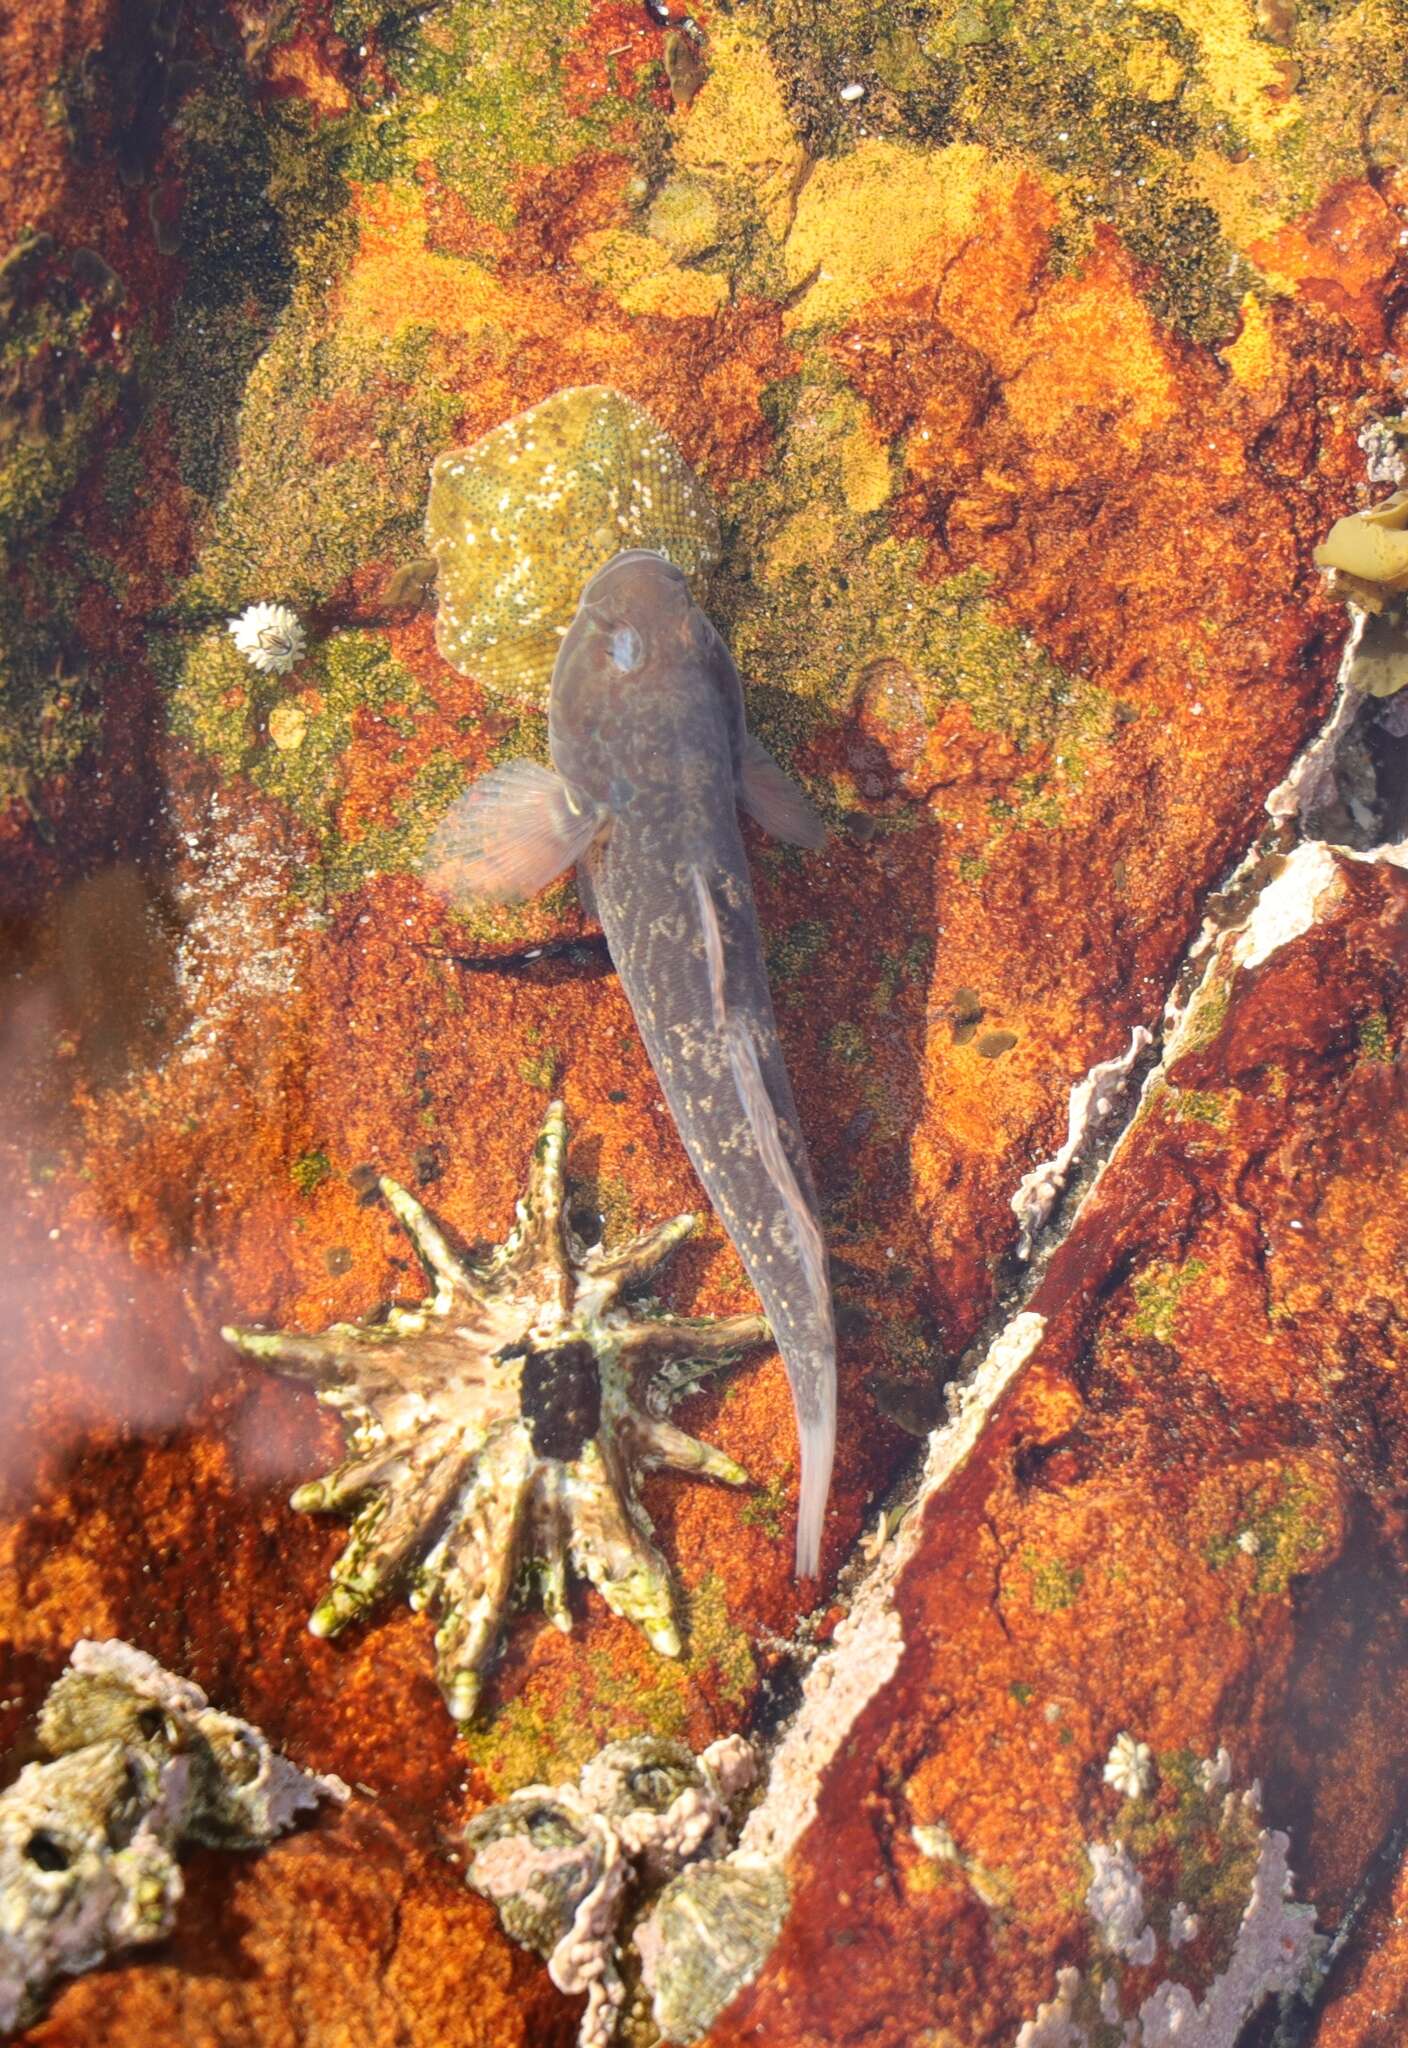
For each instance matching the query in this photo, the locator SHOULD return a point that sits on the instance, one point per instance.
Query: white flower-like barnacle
(1130, 1766)
(270, 637)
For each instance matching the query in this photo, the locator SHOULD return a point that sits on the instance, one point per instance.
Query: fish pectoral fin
(509, 835)
(769, 795)
(762, 1118)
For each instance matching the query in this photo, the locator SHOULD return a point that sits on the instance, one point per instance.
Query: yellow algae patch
(395, 282)
(1252, 357)
(865, 466)
(1244, 77)
(642, 277)
(1153, 70)
(884, 213)
(808, 536)
(288, 727)
(738, 127)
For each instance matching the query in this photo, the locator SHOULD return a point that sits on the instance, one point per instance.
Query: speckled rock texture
(1179, 1528)
(1024, 381)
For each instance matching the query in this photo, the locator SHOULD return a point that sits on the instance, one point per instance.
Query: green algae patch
(765, 1508)
(1204, 1846)
(1282, 1528)
(308, 1172)
(1055, 1585)
(334, 438)
(817, 591)
(537, 1738)
(50, 716)
(229, 713)
(1375, 1045)
(1157, 1293)
(1200, 1106)
(486, 93)
(60, 383)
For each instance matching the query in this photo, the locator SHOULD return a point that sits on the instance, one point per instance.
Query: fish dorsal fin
(758, 1105)
(509, 835)
(769, 795)
(713, 946)
(767, 1135)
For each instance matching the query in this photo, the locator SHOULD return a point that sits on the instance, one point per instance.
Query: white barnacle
(1215, 1771)
(1130, 1766)
(270, 638)
(1182, 1925)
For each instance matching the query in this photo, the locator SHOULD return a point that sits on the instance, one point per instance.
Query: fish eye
(626, 648)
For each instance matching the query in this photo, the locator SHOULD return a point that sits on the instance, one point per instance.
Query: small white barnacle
(270, 638)
(1130, 1766)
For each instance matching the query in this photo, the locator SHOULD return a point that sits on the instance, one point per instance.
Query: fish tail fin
(817, 1434)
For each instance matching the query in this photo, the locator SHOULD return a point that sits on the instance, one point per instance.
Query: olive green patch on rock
(1158, 1291)
(223, 708)
(482, 94)
(1055, 1585)
(1375, 1045)
(50, 715)
(1209, 1845)
(60, 385)
(335, 438)
(1201, 1106)
(536, 1740)
(816, 591)
(1282, 1528)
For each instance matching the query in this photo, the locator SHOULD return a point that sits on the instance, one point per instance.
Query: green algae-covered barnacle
(572, 1868)
(520, 521)
(711, 1931)
(498, 1433)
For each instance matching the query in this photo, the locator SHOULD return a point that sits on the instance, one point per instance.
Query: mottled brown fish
(652, 762)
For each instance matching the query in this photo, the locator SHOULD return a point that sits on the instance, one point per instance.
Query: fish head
(620, 670)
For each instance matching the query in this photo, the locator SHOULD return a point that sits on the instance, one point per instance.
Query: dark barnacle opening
(561, 1395)
(46, 1851)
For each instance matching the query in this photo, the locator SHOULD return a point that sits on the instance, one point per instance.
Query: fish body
(652, 761)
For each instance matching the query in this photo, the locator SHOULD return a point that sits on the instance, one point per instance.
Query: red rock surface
(1019, 576)
(1219, 1361)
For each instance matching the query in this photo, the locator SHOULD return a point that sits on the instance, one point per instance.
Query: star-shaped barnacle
(499, 1430)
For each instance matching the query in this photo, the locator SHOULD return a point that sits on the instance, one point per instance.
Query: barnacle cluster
(624, 1885)
(138, 1763)
(496, 1433)
(519, 522)
(1228, 1887)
